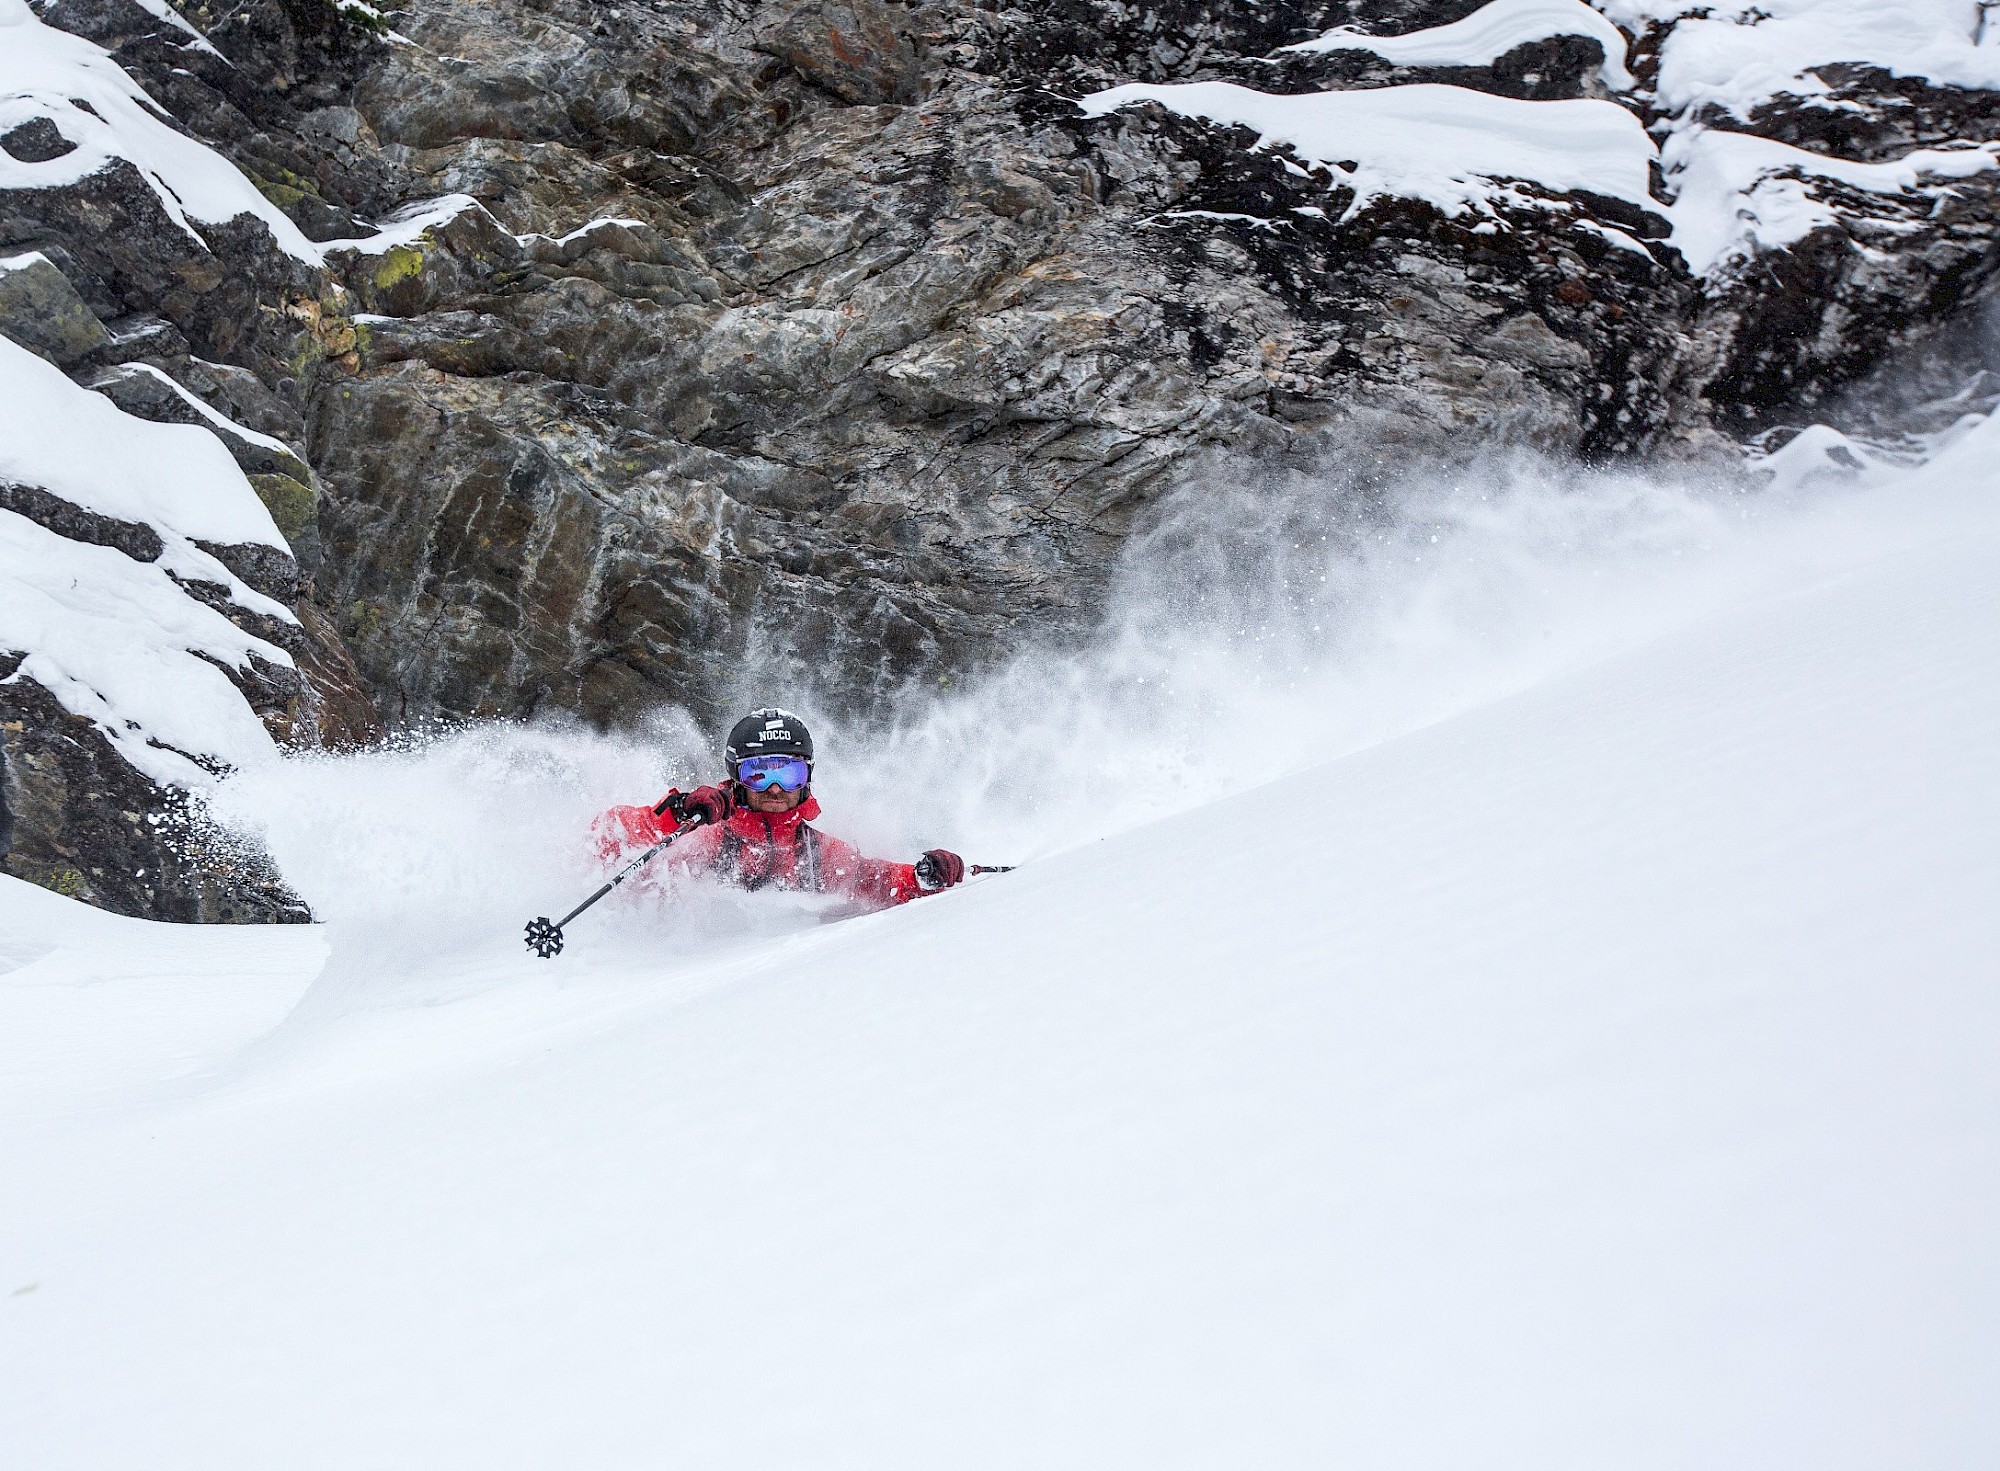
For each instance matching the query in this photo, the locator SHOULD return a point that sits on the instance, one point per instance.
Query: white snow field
(1587, 1066)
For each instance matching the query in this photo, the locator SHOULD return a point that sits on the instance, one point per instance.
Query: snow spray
(1257, 627)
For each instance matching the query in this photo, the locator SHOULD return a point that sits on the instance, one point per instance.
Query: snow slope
(1738, 194)
(78, 86)
(176, 478)
(1598, 1076)
(115, 639)
(1458, 150)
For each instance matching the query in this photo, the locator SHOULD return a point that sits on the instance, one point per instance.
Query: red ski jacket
(760, 849)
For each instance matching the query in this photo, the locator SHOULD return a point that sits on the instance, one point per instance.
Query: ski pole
(929, 878)
(546, 939)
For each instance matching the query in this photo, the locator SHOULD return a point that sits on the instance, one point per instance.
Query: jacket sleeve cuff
(900, 880)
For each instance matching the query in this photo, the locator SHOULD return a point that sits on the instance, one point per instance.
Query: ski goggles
(761, 773)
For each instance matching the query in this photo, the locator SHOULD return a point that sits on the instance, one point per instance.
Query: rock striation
(635, 344)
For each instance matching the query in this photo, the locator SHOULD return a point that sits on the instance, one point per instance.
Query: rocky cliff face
(624, 342)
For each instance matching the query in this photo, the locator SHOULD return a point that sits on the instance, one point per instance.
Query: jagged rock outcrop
(899, 343)
(648, 341)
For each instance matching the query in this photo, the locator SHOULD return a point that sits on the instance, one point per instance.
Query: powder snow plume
(1259, 627)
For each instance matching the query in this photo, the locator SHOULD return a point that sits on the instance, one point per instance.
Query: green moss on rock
(401, 263)
(67, 882)
(291, 503)
(364, 620)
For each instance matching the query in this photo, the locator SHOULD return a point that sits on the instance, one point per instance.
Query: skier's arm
(880, 883)
(875, 882)
(624, 828)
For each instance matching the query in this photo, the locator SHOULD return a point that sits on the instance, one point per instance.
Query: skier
(754, 825)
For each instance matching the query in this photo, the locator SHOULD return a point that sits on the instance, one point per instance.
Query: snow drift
(1738, 55)
(1449, 146)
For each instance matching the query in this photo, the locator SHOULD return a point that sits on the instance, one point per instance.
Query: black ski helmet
(767, 732)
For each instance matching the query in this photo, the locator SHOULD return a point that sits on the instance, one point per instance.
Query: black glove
(940, 868)
(704, 804)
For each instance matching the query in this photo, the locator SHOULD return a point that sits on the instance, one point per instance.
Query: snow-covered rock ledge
(1736, 195)
(153, 628)
(1791, 190)
(136, 662)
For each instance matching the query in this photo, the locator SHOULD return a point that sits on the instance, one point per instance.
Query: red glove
(704, 804)
(940, 868)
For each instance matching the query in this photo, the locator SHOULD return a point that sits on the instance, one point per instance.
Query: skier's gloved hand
(940, 868)
(704, 804)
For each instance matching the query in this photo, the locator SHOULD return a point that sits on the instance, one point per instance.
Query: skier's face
(773, 783)
(776, 799)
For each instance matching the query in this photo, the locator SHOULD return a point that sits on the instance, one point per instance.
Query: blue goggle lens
(761, 773)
